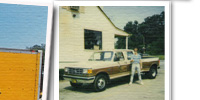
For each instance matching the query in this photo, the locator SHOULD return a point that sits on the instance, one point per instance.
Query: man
(136, 65)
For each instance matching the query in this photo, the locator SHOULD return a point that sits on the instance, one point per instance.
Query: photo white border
(48, 37)
(167, 5)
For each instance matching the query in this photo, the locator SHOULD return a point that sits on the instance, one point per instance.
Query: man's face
(135, 50)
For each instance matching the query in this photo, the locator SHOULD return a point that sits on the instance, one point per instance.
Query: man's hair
(135, 48)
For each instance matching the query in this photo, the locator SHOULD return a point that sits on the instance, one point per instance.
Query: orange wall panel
(19, 76)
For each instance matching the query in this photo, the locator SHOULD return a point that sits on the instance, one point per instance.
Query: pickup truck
(103, 66)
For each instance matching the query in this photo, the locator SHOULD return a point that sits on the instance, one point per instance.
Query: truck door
(119, 58)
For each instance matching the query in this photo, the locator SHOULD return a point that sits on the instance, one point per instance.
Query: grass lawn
(161, 57)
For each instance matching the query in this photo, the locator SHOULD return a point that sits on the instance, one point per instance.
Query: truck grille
(76, 71)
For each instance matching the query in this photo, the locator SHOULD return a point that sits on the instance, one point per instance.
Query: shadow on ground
(88, 88)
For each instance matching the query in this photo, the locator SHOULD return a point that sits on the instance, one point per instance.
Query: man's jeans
(135, 66)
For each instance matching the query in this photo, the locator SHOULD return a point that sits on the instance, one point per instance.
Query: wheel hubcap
(101, 83)
(154, 73)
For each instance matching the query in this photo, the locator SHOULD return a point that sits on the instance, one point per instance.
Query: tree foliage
(39, 47)
(121, 42)
(148, 34)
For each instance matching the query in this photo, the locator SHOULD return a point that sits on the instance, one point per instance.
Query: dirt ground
(118, 89)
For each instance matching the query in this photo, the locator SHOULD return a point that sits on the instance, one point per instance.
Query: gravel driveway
(118, 89)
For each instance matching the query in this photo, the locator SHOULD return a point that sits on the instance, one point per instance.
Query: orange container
(20, 72)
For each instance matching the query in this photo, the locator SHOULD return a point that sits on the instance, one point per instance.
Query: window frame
(73, 8)
(119, 58)
(100, 48)
(127, 54)
(92, 56)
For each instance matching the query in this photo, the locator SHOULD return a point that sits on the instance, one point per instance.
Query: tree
(152, 30)
(148, 34)
(135, 40)
(39, 47)
(121, 42)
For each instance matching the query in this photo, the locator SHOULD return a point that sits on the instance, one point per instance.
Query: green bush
(156, 47)
(61, 73)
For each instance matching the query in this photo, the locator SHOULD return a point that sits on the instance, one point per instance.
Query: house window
(93, 39)
(76, 8)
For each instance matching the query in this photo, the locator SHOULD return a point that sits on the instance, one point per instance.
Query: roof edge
(111, 21)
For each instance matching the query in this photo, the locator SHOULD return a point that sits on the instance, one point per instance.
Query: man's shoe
(130, 83)
(141, 83)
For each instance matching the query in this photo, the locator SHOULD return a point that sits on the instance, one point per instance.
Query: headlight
(66, 69)
(87, 71)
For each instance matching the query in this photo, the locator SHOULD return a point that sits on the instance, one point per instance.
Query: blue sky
(22, 25)
(120, 15)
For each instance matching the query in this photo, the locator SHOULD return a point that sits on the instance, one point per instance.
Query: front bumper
(79, 79)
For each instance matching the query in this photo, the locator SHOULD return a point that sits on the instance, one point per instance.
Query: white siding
(71, 32)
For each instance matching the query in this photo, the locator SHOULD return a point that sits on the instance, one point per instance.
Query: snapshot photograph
(112, 52)
(23, 50)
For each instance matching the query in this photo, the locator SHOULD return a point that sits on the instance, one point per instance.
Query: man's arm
(132, 59)
(140, 62)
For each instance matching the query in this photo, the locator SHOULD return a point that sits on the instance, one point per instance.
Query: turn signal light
(89, 71)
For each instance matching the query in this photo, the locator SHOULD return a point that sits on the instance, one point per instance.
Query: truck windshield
(101, 56)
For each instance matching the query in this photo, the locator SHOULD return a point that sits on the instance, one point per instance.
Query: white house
(83, 30)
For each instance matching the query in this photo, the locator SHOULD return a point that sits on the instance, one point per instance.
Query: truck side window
(119, 56)
(129, 54)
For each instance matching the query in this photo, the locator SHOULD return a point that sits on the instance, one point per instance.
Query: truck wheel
(100, 83)
(152, 73)
(76, 85)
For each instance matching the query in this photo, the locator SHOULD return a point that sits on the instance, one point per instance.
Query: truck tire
(100, 83)
(152, 72)
(76, 85)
